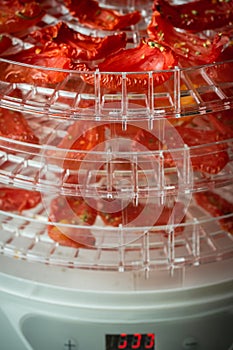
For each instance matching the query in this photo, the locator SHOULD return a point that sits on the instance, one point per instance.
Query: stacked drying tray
(116, 134)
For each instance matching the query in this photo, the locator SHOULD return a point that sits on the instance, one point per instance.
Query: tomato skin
(217, 206)
(15, 199)
(189, 47)
(90, 14)
(198, 15)
(14, 126)
(148, 56)
(75, 211)
(79, 46)
(16, 16)
(50, 56)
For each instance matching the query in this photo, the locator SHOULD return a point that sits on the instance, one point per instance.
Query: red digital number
(150, 341)
(122, 343)
(136, 341)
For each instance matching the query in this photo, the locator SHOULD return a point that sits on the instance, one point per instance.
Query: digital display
(126, 341)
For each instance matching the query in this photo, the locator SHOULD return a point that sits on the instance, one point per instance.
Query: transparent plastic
(189, 92)
(120, 162)
(120, 172)
(199, 240)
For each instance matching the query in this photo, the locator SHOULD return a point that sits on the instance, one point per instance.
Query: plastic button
(70, 344)
(190, 343)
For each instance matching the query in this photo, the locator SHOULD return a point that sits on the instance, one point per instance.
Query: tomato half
(81, 138)
(217, 206)
(49, 56)
(148, 56)
(16, 16)
(71, 211)
(15, 199)
(223, 123)
(152, 143)
(223, 72)
(117, 217)
(191, 48)
(79, 46)
(90, 14)
(206, 156)
(87, 239)
(75, 208)
(142, 215)
(14, 126)
(197, 15)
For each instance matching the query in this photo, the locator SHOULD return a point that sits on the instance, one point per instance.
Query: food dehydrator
(134, 284)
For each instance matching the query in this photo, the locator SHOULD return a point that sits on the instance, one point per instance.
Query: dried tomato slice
(148, 56)
(71, 211)
(116, 217)
(5, 43)
(14, 126)
(190, 48)
(223, 122)
(217, 206)
(227, 54)
(80, 139)
(90, 14)
(170, 215)
(15, 199)
(152, 143)
(56, 235)
(35, 58)
(16, 16)
(79, 46)
(131, 215)
(197, 15)
(206, 156)
(223, 72)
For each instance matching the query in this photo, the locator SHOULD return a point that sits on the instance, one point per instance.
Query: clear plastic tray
(198, 240)
(189, 92)
(121, 164)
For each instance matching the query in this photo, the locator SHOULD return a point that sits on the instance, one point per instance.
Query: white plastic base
(38, 330)
(38, 315)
